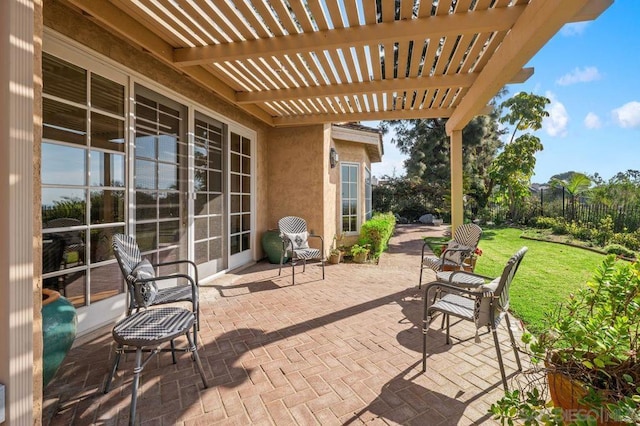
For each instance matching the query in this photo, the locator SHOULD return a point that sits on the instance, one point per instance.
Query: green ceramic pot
(59, 322)
(272, 246)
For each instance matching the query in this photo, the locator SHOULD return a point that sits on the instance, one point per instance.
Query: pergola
(295, 62)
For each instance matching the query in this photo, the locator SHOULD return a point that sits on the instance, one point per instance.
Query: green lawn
(548, 273)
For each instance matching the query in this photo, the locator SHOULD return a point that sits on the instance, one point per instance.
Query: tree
(576, 184)
(427, 145)
(511, 171)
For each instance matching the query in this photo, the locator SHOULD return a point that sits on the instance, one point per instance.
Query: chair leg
(196, 358)
(425, 328)
(420, 281)
(173, 351)
(134, 388)
(499, 354)
(304, 265)
(281, 262)
(293, 272)
(513, 342)
(114, 368)
(322, 260)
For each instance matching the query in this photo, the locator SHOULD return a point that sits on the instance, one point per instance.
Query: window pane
(106, 169)
(234, 244)
(246, 241)
(145, 174)
(246, 165)
(235, 224)
(167, 176)
(200, 204)
(64, 80)
(200, 154)
(215, 249)
(246, 146)
(235, 142)
(146, 205)
(201, 252)
(169, 233)
(216, 160)
(168, 148)
(200, 180)
(215, 181)
(101, 248)
(63, 250)
(107, 206)
(103, 284)
(107, 95)
(60, 203)
(107, 132)
(246, 203)
(169, 205)
(145, 146)
(235, 203)
(147, 236)
(62, 122)
(215, 204)
(215, 226)
(71, 285)
(235, 163)
(246, 222)
(201, 226)
(246, 184)
(63, 165)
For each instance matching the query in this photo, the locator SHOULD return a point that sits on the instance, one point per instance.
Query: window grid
(349, 183)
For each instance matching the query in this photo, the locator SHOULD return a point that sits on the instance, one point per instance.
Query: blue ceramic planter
(59, 321)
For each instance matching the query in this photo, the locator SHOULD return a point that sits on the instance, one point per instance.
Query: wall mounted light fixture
(333, 157)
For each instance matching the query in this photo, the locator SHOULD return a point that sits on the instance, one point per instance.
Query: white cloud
(592, 121)
(628, 115)
(578, 75)
(574, 29)
(556, 123)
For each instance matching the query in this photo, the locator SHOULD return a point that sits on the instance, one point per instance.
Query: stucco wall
(297, 175)
(79, 28)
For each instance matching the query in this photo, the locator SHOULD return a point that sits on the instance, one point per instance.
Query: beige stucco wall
(298, 175)
(84, 31)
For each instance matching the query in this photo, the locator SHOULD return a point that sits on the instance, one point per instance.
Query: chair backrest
(292, 225)
(498, 291)
(467, 235)
(127, 253)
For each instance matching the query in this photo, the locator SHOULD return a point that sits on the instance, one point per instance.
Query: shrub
(560, 227)
(377, 231)
(619, 250)
(630, 241)
(543, 222)
(579, 231)
(604, 233)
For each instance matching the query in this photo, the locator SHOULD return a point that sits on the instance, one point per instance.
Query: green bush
(579, 231)
(543, 222)
(619, 250)
(376, 232)
(629, 240)
(604, 233)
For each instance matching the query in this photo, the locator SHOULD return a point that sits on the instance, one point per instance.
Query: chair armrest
(441, 285)
(321, 242)
(176, 262)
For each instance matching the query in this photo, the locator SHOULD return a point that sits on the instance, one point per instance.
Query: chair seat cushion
(435, 263)
(153, 326)
(459, 306)
(308, 253)
(146, 292)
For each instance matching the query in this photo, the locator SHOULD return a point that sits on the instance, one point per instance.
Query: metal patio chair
(484, 304)
(295, 242)
(127, 252)
(461, 247)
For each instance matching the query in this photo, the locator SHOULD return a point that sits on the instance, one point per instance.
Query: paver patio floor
(345, 350)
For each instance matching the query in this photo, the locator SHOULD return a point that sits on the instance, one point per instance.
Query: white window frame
(368, 201)
(358, 198)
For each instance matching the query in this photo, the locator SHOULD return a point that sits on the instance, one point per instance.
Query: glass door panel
(240, 200)
(160, 171)
(209, 171)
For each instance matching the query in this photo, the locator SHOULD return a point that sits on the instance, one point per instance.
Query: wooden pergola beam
(362, 116)
(385, 32)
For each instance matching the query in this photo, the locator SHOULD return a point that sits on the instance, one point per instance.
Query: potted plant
(335, 255)
(360, 252)
(590, 354)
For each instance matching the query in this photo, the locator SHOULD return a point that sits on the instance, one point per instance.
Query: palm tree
(576, 184)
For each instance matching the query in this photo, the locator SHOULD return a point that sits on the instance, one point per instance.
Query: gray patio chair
(140, 277)
(295, 242)
(465, 241)
(484, 304)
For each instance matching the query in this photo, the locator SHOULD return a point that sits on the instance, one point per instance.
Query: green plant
(619, 250)
(377, 231)
(359, 249)
(594, 340)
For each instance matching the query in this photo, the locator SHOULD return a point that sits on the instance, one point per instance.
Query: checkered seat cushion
(153, 326)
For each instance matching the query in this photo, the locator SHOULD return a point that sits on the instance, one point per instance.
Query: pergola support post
(457, 205)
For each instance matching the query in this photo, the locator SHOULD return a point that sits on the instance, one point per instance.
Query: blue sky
(591, 73)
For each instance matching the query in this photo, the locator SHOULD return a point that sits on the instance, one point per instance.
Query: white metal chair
(295, 242)
(465, 241)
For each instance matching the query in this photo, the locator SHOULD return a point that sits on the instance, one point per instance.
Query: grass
(548, 273)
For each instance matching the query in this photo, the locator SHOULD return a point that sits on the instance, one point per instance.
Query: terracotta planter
(335, 258)
(566, 392)
(59, 321)
(360, 257)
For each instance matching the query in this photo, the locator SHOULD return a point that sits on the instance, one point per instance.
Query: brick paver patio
(343, 351)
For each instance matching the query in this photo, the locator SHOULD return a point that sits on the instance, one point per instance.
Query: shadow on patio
(345, 350)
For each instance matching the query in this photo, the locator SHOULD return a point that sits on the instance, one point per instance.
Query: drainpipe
(457, 207)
